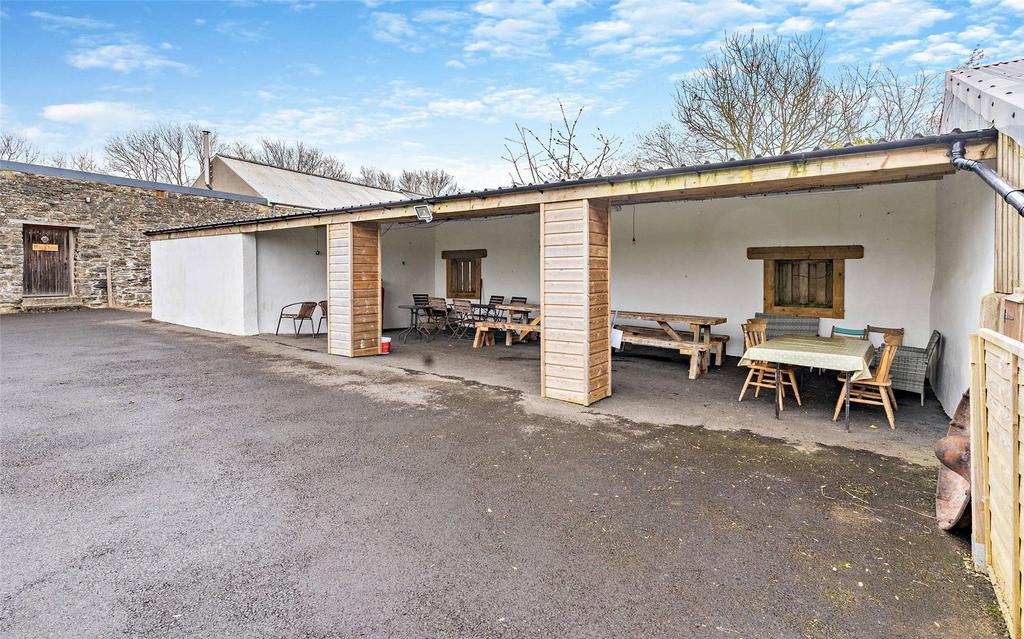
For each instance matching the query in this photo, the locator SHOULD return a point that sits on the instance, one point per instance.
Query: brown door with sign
(47, 261)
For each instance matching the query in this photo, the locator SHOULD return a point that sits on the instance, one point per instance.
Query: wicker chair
(913, 367)
(495, 314)
(789, 325)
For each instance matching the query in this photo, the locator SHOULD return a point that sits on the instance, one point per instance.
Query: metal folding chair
(304, 313)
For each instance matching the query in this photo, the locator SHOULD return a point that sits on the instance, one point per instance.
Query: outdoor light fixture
(424, 213)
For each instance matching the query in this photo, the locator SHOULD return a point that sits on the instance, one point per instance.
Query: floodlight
(424, 213)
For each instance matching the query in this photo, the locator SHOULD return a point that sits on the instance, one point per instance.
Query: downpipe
(1013, 196)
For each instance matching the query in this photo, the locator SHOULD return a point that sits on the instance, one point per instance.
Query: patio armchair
(913, 366)
(762, 374)
(877, 389)
(304, 312)
(323, 318)
(789, 325)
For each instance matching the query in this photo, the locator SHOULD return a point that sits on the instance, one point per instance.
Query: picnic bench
(697, 343)
(515, 331)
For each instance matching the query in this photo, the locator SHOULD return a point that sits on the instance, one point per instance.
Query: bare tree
(170, 152)
(767, 96)
(662, 147)
(297, 156)
(431, 182)
(372, 176)
(135, 154)
(558, 157)
(16, 148)
(82, 161)
(907, 104)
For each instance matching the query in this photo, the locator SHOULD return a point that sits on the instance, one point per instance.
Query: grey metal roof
(851, 149)
(102, 178)
(295, 188)
(990, 95)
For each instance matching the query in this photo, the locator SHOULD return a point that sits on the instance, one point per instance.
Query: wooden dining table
(700, 325)
(849, 356)
(519, 313)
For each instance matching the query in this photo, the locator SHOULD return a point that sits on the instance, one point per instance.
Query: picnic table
(518, 327)
(698, 345)
(850, 356)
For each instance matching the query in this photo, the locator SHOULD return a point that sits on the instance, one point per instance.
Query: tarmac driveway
(163, 482)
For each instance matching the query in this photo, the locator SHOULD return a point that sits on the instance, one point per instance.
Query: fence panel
(997, 363)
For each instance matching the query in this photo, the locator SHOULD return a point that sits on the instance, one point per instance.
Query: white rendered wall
(206, 282)
(512, 265)
(692, 257)
(411, 259)
(407, 267)
(289, 270)
(964, 245)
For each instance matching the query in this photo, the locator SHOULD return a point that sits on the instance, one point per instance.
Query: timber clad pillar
(1009, 245)
(576, 347)
(353, 289)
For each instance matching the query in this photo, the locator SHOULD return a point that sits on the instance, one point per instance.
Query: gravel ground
(163, 482)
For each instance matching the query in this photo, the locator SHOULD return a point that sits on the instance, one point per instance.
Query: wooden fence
(997, 364)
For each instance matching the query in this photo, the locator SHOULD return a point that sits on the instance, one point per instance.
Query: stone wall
(114, 216)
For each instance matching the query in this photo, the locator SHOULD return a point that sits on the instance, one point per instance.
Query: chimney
(206, 159)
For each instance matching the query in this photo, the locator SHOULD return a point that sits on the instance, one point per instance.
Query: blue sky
(423, 84)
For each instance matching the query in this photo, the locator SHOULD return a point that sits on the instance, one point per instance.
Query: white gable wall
(206, 282)
(964, 261)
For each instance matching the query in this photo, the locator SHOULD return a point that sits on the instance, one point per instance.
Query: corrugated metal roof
(103, 178)
(294, 188)
(850, 149)
(990, 95)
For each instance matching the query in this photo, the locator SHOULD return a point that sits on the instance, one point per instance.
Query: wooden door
(47, 261)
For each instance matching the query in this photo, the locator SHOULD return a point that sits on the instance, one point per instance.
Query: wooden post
(1009, 247)
(110, 288)
(353, 289)
(575, 311)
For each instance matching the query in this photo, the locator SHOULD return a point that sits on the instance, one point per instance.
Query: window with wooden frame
(463, 273)
(805, 281)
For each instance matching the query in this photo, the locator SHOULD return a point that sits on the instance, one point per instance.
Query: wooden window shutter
(463, 273)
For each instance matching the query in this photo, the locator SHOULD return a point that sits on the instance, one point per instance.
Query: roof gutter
(1013, 195)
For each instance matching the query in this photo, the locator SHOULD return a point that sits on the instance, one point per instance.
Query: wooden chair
(762, 374)
(323, 317)
(304, 313)
(876, 390)
(460, 319)
(420, 299)
(436, 317)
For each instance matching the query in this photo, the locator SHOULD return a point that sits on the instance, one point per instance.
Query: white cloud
(393, 28)
(54, 21)
(455, 64)
(796, 24)
(124, 58)
(515, 28)
(654, 30)
(241, 31)
(101, 115)
(892, 17)
(899, 46)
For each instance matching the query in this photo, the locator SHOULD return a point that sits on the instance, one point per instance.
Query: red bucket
(385, 345)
